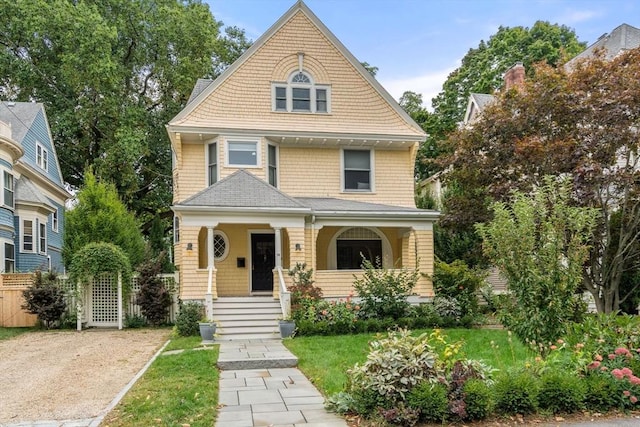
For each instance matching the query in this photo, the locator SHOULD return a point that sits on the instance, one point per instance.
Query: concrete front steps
(247, 318)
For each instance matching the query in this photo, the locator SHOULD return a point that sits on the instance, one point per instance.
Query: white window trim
(372, 171)
(289, 85)
(3, 242)
(55, 221)
(266, 164)
(206, 157)
(176, 230)
(42, 226)
(13, 189)
(44, 155)
(33, 235)
(226, 245)
(229, 141)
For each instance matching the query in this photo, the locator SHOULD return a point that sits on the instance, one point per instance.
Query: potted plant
(287, 327)
(207, 330)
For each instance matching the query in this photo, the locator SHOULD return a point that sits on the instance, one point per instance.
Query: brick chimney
(514, 76)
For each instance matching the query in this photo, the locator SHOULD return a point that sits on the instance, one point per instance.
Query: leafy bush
(303, 292)
(456, 280)
(561, 391)
(188, 317)
(447, 308)
(401, 415)
(341, 403)
(133, 321)
(431, 400)
(45, 299)
(516, 393)
(153, 298)
(478, 399)
(384, 292)
(394, 365)
(603, 333)
(602, 392)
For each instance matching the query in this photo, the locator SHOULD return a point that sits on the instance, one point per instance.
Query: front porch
(241, 260)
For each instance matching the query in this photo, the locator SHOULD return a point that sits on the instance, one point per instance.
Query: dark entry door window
(263, 261)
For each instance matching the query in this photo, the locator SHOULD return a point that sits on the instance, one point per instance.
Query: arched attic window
(300, 94)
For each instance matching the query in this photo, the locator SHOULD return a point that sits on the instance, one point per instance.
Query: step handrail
(284, 295)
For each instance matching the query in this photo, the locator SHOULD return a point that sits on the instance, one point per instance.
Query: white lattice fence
(101, 302)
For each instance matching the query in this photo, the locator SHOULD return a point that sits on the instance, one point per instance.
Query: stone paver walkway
(268, 396)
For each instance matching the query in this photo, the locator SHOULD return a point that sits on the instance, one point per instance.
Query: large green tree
(481, 72)
(582, 124)
(100, 216)
(112, 73)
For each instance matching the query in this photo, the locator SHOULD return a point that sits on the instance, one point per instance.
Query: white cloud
(575, 16)
(429, 85)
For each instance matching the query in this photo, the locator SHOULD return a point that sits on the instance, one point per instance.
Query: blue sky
(417, 43)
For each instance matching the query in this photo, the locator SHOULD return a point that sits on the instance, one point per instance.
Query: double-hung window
(243, 153)
(42, 238)
(54, 221)
(357, 170)
(27, 235)
(273, 165)
(8, 189)
(9, 258)
(212, 154)
(42, 157)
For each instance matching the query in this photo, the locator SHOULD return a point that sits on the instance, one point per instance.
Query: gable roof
(621, 38)
(242, 190)
(476, 105)
(202, 92)
(20, 116)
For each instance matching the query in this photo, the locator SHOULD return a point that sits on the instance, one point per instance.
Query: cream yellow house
(294, 154)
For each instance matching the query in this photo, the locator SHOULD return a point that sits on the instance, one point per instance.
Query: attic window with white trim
(300, 94)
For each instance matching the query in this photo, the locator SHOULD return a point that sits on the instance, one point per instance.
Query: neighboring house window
(8, 189)
(243, 153)
(355, 245)
(42, 238)
(9, 258)
(301, 94)
(42, 157)
(357, 170)
(27, 235)
(220, 245)
(273, 165)
(212, 153)
(176, 229)
(54, 221)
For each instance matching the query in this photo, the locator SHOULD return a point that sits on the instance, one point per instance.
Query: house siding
(243, 100)
(38, 132)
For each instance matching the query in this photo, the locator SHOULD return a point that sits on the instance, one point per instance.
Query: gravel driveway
(62, 375)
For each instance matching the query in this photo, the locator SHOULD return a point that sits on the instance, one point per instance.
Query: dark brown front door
(263, 260)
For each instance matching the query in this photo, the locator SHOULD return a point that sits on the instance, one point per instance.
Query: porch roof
(242, 190)
(331, 207)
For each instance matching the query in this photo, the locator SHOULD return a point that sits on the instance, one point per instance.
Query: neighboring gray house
(33, 194)
(624, 37)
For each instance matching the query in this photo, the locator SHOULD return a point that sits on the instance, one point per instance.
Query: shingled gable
(193, 115)
(243, 190)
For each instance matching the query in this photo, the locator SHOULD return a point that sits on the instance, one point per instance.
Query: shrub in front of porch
(383, 292)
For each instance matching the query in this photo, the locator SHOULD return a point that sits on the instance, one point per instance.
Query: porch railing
(284, 294)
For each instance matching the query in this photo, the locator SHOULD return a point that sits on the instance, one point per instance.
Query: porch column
(210, 266)
(210, 255)
(278, 243)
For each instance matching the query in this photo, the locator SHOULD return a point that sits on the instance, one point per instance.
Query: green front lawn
(325, 359)
(177, 390)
